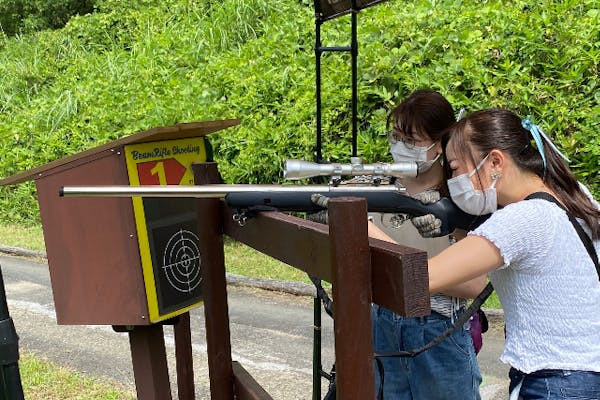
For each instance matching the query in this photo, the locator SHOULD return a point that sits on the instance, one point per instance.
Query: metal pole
(317, 364)
(11, 387)
(354, 57)
(318, 53)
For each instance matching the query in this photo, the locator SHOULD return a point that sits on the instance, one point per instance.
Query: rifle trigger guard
(240, 217)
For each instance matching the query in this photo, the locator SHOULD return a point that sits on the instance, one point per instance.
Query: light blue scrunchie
(538, 134)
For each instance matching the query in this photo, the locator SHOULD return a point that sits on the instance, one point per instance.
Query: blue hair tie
(538, 134)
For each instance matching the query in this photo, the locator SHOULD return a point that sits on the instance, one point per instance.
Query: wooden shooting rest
(362, 271)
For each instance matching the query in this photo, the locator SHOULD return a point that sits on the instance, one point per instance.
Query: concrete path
(271, 335)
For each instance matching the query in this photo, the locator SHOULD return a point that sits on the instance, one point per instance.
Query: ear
(498, 159)
(438, 148)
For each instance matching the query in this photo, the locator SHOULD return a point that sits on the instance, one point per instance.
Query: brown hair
(423, 112)
(426, 112)
(485, 130)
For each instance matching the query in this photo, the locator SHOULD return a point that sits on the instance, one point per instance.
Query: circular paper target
(181, 261)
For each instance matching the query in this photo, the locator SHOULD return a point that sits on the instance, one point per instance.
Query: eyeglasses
(394, 136)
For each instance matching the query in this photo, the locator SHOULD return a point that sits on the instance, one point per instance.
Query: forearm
(464, 263)
(469, 289)
(376, 233)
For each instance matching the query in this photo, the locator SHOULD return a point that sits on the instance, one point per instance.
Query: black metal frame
(324, 11)
(10, 377)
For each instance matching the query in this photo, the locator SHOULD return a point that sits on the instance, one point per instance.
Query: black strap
(587, 242)
(462, 319)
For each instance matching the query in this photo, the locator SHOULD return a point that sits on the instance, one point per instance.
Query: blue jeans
(448, 370)
(551, 384)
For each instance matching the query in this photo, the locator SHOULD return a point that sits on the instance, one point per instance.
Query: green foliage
(131, 66)
(26, 16)
(45, 380)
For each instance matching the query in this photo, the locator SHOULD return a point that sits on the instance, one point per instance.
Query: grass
(26, 237)
(243, 260)
(44, 380)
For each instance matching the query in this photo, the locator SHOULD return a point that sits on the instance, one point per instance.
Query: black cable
(464, 317)
(322, 294)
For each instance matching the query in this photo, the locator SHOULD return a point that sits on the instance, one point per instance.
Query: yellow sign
(167, 227)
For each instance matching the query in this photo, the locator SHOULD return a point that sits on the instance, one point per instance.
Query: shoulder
(522, 227)
(531, 211)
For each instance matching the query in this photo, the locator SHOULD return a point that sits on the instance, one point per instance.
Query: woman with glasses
(540, 251)
(449, 370)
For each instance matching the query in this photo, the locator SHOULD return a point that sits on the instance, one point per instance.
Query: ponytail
(561, 180)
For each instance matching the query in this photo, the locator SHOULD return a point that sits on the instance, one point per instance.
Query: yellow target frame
(186, 152)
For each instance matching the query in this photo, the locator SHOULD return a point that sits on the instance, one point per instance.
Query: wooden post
(214, 289)
(183, 358)
(149, 360)
(351, 271)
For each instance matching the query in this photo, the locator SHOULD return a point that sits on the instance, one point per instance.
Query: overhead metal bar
(324, 11)
(330, 9)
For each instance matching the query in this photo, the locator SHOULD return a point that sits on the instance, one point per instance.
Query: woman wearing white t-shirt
(545, 278)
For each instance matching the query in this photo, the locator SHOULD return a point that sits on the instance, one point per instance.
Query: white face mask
(401, 153)
(471, 201)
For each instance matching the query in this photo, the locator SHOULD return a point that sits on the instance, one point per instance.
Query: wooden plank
(149, 360)
(246, 388)
(92, 248)
(297, 242)
(351, 268)
(183, 358)
(399, 273)
(400, 278)
(214, 289)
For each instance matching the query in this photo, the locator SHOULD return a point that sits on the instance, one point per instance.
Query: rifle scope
(299, 169)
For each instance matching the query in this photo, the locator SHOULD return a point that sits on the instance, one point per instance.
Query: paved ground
(270, 331)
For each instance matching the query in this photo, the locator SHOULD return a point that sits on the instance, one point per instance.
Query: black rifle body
(451, 216)
(384, 199)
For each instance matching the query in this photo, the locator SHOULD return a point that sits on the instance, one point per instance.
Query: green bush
(26, 16)
(132, 66)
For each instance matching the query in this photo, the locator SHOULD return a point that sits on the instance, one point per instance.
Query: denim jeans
(555, 384)
(447, 371)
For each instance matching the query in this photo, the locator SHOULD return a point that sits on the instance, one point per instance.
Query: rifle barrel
(213, 190)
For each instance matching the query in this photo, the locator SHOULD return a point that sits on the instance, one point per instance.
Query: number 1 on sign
(159, 169)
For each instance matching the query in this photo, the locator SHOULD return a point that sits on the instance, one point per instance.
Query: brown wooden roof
(179, 131)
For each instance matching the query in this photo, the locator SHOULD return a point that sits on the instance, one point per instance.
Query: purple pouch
(476, 332)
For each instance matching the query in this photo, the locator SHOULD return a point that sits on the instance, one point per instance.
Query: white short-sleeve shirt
(548, 287)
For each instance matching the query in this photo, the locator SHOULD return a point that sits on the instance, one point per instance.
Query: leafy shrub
(131, 66)
(26, 16)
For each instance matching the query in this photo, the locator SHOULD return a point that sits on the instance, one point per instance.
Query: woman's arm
(467, 290)
(375, 232)
(464, 263)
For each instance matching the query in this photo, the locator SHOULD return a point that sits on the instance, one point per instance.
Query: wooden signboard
(114, 261)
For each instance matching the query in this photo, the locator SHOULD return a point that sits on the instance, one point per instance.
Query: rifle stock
(384, 198)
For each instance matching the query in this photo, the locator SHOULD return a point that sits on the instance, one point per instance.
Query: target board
(167, 227)
(182, 260)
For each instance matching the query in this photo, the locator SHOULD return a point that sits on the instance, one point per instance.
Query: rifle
(246, 198)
